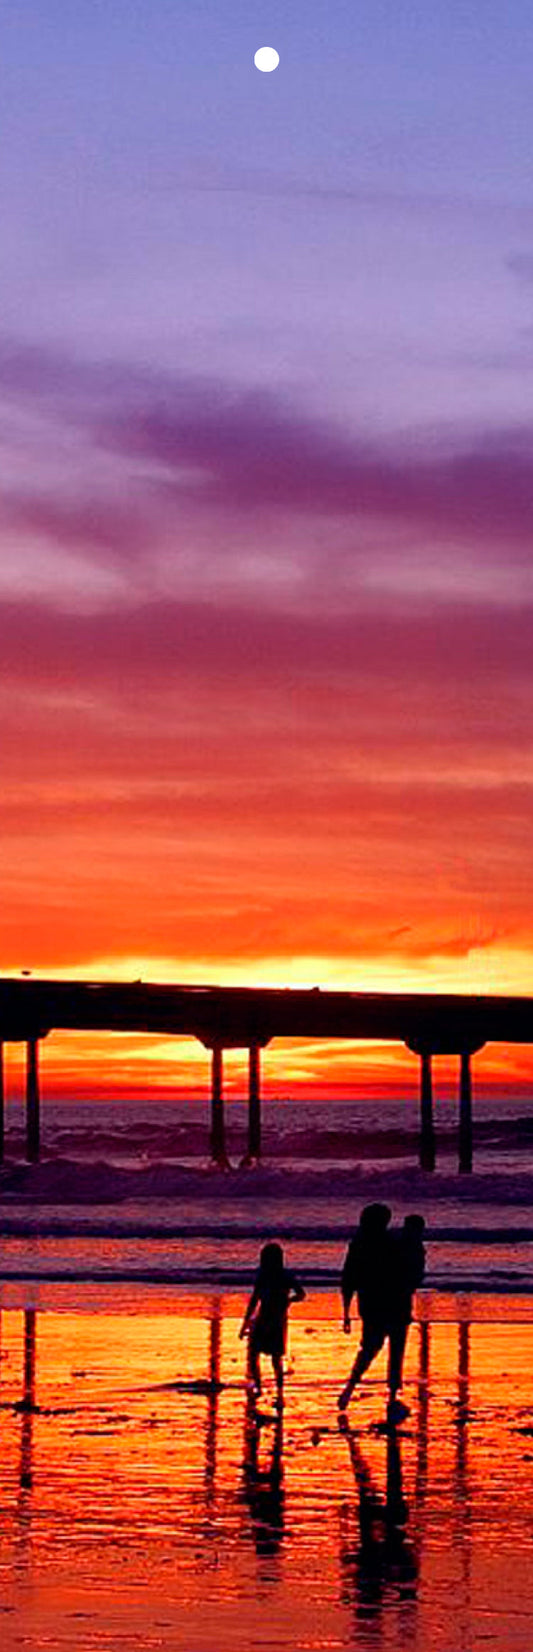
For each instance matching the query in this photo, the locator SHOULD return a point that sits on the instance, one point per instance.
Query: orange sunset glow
(266, 824)
(92, 1066)
(138, 1510)
(305, 790)
(265, 528)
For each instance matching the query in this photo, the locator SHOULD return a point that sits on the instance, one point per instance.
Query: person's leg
(254, 1369)
(397, 1343)
(277, 1361)
(372, 1339)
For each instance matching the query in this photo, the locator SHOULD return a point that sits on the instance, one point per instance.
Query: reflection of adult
(384, 1553)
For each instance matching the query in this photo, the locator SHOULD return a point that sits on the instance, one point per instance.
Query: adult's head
(374, 1220)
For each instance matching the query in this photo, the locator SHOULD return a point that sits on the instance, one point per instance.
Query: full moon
(266, 59)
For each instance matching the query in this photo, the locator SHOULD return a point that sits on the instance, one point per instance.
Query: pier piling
(465, 1114)
(218, 1122)
(253, 1152)
(33, 1123)
(427, 1155)
(2, 1104)
(427, 1146)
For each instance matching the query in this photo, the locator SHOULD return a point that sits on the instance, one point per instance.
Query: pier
(429, 1024)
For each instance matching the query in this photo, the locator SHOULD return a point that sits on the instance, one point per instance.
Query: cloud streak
(337, 769)
(161, 448)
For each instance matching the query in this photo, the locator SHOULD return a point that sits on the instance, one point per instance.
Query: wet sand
(142, 1507)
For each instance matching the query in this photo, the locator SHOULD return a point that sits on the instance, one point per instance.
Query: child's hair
(271, 1258)
(414, 1226)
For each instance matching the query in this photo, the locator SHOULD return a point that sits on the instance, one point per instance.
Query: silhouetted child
(266, 1315)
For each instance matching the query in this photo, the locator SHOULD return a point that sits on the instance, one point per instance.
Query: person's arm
(296, 1290)
(250, 1311)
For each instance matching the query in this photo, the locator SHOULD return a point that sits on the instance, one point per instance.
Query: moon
(266, 59)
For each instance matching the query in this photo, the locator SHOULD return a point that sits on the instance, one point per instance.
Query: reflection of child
(266, 1315)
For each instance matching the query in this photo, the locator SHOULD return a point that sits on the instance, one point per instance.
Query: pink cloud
(165, 641)
(322, 767)
(179, 442)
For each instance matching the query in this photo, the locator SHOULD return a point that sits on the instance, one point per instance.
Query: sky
(266, 584)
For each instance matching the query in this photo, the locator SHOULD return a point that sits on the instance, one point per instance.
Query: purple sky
(354, 229)
(266, 362)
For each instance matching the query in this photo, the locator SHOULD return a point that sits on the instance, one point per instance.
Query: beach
(142, 1506)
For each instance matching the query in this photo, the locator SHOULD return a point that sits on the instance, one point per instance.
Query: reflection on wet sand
(141, 1491)
(422, 1413)
(383, 1563)
(263, 1482)
(212, 1401)
(26, 1407)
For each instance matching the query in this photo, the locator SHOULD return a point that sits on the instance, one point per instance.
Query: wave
(157, 1142)
(76, 1183)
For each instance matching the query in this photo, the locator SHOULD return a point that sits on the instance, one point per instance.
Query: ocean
(133, 1133)
(126, 1191)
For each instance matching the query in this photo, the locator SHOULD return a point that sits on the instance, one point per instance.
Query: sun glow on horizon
(483, 969)
(105, 1067)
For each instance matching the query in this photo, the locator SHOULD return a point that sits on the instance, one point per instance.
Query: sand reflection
(142, 1501)
(379, 1565)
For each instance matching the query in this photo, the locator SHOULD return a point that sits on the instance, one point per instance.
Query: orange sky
(265, 708)
(211, 801)
(237, 817)
(107, 1066)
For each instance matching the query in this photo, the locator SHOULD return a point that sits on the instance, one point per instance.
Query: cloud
(191, 750)
(110, 529)
(164, 641)
(162, 457)
(328, 764)
(252, 454)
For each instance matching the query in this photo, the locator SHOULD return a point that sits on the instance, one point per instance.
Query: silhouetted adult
(366, 1273)
(384, 1269)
